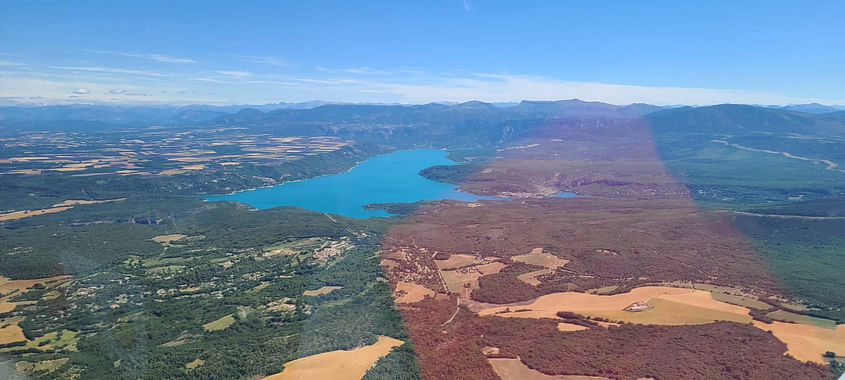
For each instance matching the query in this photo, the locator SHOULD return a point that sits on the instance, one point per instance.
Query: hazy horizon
(265, 52)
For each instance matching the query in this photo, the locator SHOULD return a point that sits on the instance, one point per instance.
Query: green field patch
(27, 367)
(294, 247)
(260, 286)
(164, 261)
(165, 269)
(785, 316)
(603, 290)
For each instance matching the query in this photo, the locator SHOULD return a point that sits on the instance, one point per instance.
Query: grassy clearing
(732, 296)
(603, 290)
(164, 239)
(165, 261)
(458, 261)
(540, 258)
(785, 316)
(463, 281)
(530, 278)
(219, 324)
(165, 269)
(195, 363)
(323, 290)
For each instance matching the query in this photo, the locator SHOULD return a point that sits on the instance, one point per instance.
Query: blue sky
(665, 52)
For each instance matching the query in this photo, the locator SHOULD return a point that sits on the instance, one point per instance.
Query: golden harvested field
(670, 306)
(323, 290)
(514, 369)
(540, 258)
(407, 292)
(570, 327)
(337, 365)
(667, 312)
(8, 286)
(27, 213)
(676, 306)
(458, 261)
(7, 306)
(219, 324)
(74, 202)
(807, 343)
(11, 333)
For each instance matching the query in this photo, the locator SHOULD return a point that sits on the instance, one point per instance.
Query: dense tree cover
(135, 317)
(807, 255)
(399, 364)
(719, 350)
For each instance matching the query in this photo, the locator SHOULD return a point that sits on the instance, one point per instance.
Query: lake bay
(389, 178)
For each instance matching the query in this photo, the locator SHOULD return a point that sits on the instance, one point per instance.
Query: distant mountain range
(815, 108)
(323, 117)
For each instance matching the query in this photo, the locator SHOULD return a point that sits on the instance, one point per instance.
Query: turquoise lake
(389, 178)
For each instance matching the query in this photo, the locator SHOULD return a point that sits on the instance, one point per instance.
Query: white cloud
(81, 91)
(364, 71)
(150, 56)
(9, 63)
(352, 85)
(265, 60)
(236, 74)
(109, 70)
(354, 70)
(160, 58)
(201, 79)
(502, 88)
